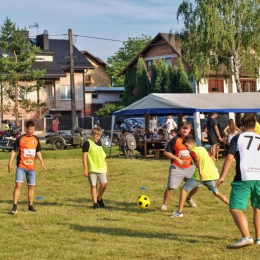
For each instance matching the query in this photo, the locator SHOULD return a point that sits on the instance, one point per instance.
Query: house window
(216, 85)
(248, 85)
(149, 65)
(94, 96)
(65, 93)
(168, 61)
(121, 96)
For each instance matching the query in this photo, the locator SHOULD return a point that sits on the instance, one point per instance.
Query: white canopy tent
(180, 103)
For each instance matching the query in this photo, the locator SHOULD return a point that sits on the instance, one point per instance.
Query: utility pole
(72, 85)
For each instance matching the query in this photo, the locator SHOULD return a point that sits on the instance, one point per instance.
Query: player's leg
(102, 187)
(188, 173)
(174, 180)
(92, 178)
(240, 192)
(240, 221)
(255, 202)
(211, 185)
(31, 181)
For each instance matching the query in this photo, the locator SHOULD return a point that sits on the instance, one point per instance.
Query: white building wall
(102, 98)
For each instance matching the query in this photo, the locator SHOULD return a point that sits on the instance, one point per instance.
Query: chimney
(42, 41)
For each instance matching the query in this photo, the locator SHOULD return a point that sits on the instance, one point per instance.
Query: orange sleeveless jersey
(179, 150)
(28, 147)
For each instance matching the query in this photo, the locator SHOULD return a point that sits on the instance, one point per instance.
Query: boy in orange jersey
(28, 146)
(181, 167)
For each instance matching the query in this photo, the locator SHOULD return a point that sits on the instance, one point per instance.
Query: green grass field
(66, 227)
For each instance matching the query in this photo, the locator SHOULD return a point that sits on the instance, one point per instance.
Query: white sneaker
(244, 241)
(257, 241)
(191, 202)
(164, 207)
(176, 214)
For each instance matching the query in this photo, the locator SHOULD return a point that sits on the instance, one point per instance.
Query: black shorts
(212, 139)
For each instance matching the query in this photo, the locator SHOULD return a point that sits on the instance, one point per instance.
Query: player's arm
(85, 164)
(12, 155)
(225, 168)
(168, 152)
(171, 156)
(228, 161)
(39, 155)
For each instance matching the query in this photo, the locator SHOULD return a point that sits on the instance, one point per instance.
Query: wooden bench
(222, 151)
(157, 153)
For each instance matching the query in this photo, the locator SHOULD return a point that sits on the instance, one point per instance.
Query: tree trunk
(16, 113)
(235, 68)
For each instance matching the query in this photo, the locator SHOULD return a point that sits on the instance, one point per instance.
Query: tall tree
(129, 83)
(220, 32)
(125, 54)
(15, 67)
(142, 87)
(153, 76)
(181, 77)
(162, 80)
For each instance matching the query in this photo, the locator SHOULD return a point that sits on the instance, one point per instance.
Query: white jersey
(246, 148)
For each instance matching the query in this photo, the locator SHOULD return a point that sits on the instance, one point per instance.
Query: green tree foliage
(129, 83)
(15, 68)
(153, 76)
(220, 31)
(108, 109)
(142, 87)
(182, 84)
(125, 54)
(162, 79)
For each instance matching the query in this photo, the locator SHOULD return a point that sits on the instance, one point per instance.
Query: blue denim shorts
(191, 183)
(30, 176)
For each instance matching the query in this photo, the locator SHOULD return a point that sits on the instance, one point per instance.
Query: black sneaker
(95, 206)
(32, 209)
(13, 210)
(101, 203)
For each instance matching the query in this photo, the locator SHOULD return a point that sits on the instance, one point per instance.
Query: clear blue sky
(110, 19)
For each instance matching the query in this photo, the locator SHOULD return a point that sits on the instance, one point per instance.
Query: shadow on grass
(113, 205)
(123, 232)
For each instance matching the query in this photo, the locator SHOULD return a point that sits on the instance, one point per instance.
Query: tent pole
(112, 129)
(197, 128)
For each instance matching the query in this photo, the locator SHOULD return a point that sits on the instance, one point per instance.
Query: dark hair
(248, 121)
(188, 139)
(124, 131)
(29, 123)
(186, 124)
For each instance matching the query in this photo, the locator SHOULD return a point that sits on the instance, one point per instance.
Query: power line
(86, 36)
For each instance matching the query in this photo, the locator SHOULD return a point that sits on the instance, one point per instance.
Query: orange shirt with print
(28, 147)
(176, 147)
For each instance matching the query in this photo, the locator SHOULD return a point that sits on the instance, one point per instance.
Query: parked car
(130, 123)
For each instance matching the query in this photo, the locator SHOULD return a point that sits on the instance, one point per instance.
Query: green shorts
(241, 191)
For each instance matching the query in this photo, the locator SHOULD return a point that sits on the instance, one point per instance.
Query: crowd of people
(189, 162)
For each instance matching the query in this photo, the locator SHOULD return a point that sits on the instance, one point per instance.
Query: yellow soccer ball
(143, 202)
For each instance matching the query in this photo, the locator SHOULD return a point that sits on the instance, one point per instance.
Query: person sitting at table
(122, 141)
(148, 136)
(138, 138)
(204, 138)
(159, 136)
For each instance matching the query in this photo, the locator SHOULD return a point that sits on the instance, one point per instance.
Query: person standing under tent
(213, 133)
